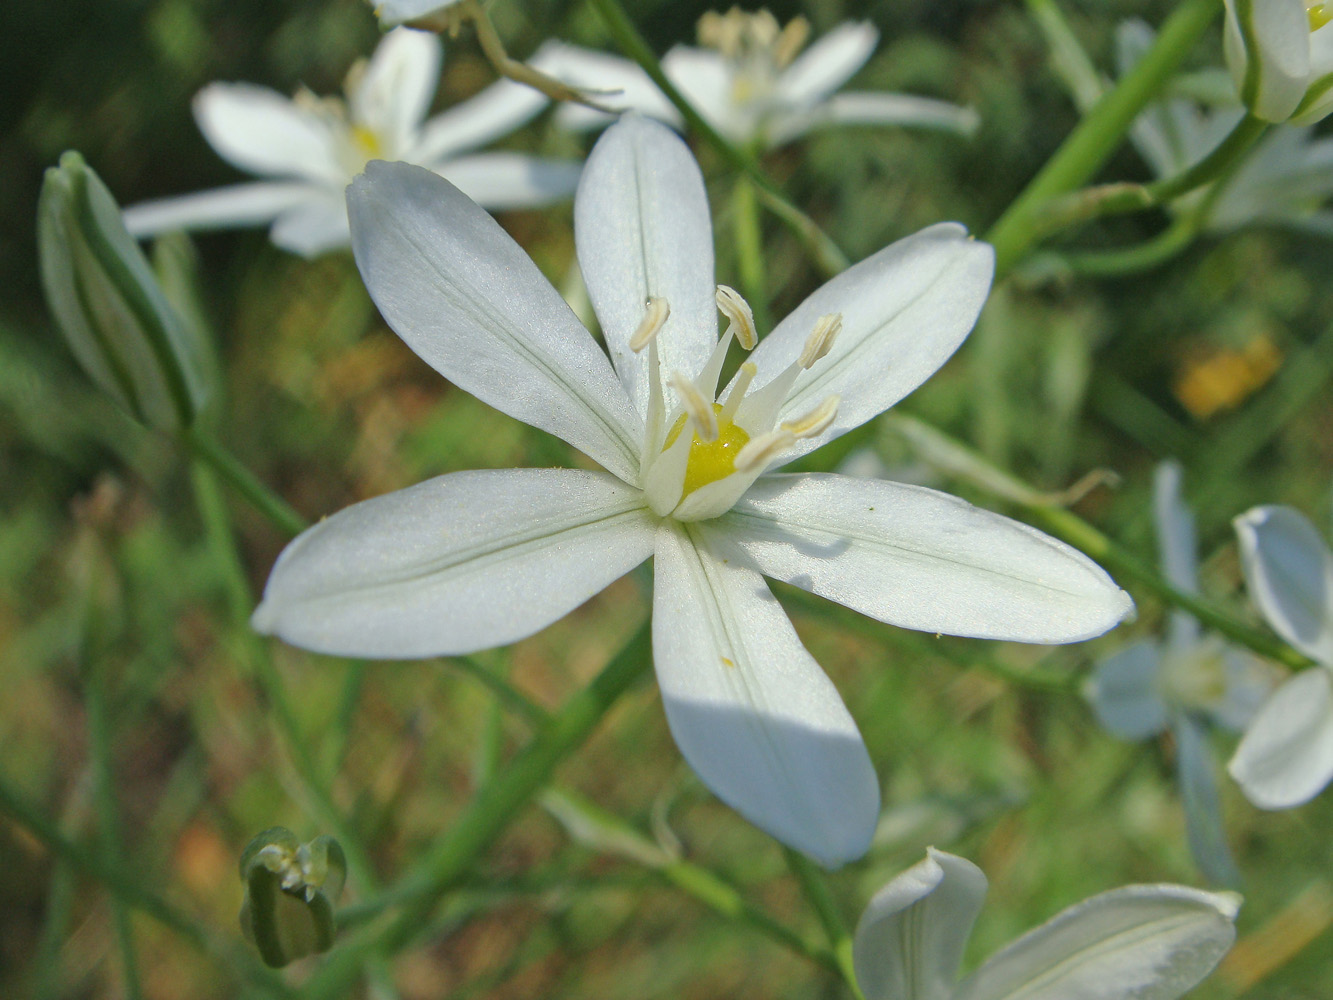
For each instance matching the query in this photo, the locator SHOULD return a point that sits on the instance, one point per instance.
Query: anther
(743, 379)
(732, 305)
(763, 449)
(815, 422)
(654, 318)
(697, 405)
(821, 339)
(790, 41)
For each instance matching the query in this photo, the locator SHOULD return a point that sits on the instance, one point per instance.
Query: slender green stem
(826, 254)
(490, 811)
(1093, 140)
(505, 692)
(817, 893)
(1122, 261)
(203, 445)
(749, 241)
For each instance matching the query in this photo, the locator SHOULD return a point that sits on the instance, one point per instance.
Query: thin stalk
(202, 445)
(1121, 261)
(1069, 59)
(486, 816)
(827, 255)
(749, 242)
(1101, 131)
(816, 891)
(505, 692)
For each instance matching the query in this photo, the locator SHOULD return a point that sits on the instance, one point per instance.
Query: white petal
(455, 564)
(904, 310)
(906, 110)
(1149, 942)
(1289, 573)
(262, 132)
(1286, 756)
(642, 229)
(1267, 44)
(512, 180)
(222, 208)
(1198, 794)
(394, 94)
(910, 940)
(489, 115)
(392, 12)
(313, 228)
(828, 63)
(470, 302)
(1123, 692)
(1176, 546)
(920, 559)
(704, 79)
(619, 84)
(750, 709)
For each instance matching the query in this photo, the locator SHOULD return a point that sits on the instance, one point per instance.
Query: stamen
(732, 305)
(743, 379)
(1319, 14)
(654, 318)
(816, 421)
(790, 42)
(763, 449)
(697, 405)
(821, 339)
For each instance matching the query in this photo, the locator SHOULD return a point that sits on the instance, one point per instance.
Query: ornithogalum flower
(311, 147)
(394, 12)
(1286, 756)
(1148, 942)
(751, 81)
(478, 559)
(1280, 53)
(1284, 180)
(1183, 685)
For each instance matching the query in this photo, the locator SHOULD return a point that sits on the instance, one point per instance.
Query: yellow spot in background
(710, 461)
(1213, 382)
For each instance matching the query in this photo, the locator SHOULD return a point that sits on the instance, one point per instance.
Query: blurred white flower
(1280, 53)
(1286, 755)
(1149, 942)
(1284, 180)
(1183, 685)
(395, 12)
(752, 82)
(478, 559)
(312, 147)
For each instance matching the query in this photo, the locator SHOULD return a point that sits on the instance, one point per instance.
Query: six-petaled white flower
(752, 82)
(477, 559)
(1182, 685)
(312, 147)
(1280, 53)
(1148, 942)
(1286, 756)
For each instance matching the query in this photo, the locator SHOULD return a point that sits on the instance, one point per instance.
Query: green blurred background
(1222, 358)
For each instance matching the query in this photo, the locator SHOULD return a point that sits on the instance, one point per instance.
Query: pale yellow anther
(763, 449)
(791, 41)
(731, 304)
(821, 339)
(738, 389)
(697, 405)
(654, 318)
(815, 422)
(1319, 13)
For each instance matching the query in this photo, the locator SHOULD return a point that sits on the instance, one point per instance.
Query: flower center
(710, 461)
(367, 143)
(1319, 13)
(756, 47)
(1197, 679)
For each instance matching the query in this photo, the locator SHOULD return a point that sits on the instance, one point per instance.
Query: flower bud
(109, 306)
(1280, 53)
(290, 889)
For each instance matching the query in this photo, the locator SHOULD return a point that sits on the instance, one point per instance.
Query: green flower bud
(108, 304)
(290, 889)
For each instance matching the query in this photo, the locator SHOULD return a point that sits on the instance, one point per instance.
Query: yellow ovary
(710, 461)
(1320, 14)
(367, 142)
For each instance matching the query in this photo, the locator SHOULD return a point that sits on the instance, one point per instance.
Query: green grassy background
(105, 574)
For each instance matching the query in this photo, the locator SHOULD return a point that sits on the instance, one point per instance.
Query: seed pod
(290, 890)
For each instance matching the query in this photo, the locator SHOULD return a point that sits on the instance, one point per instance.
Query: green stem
(749, 242)
(1068, 57)
(816, 891)
(202, 445)
(827, 255)
(489, 813)
(1093, 140)
(1123, 261)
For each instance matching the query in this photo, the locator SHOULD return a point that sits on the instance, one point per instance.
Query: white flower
(1182, 685)
(312, 147)
(477, 559)
(751, 83)
(1282, 181)
(1286, 756)
(1280, 53)
(1148, 942)
(393, 12)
